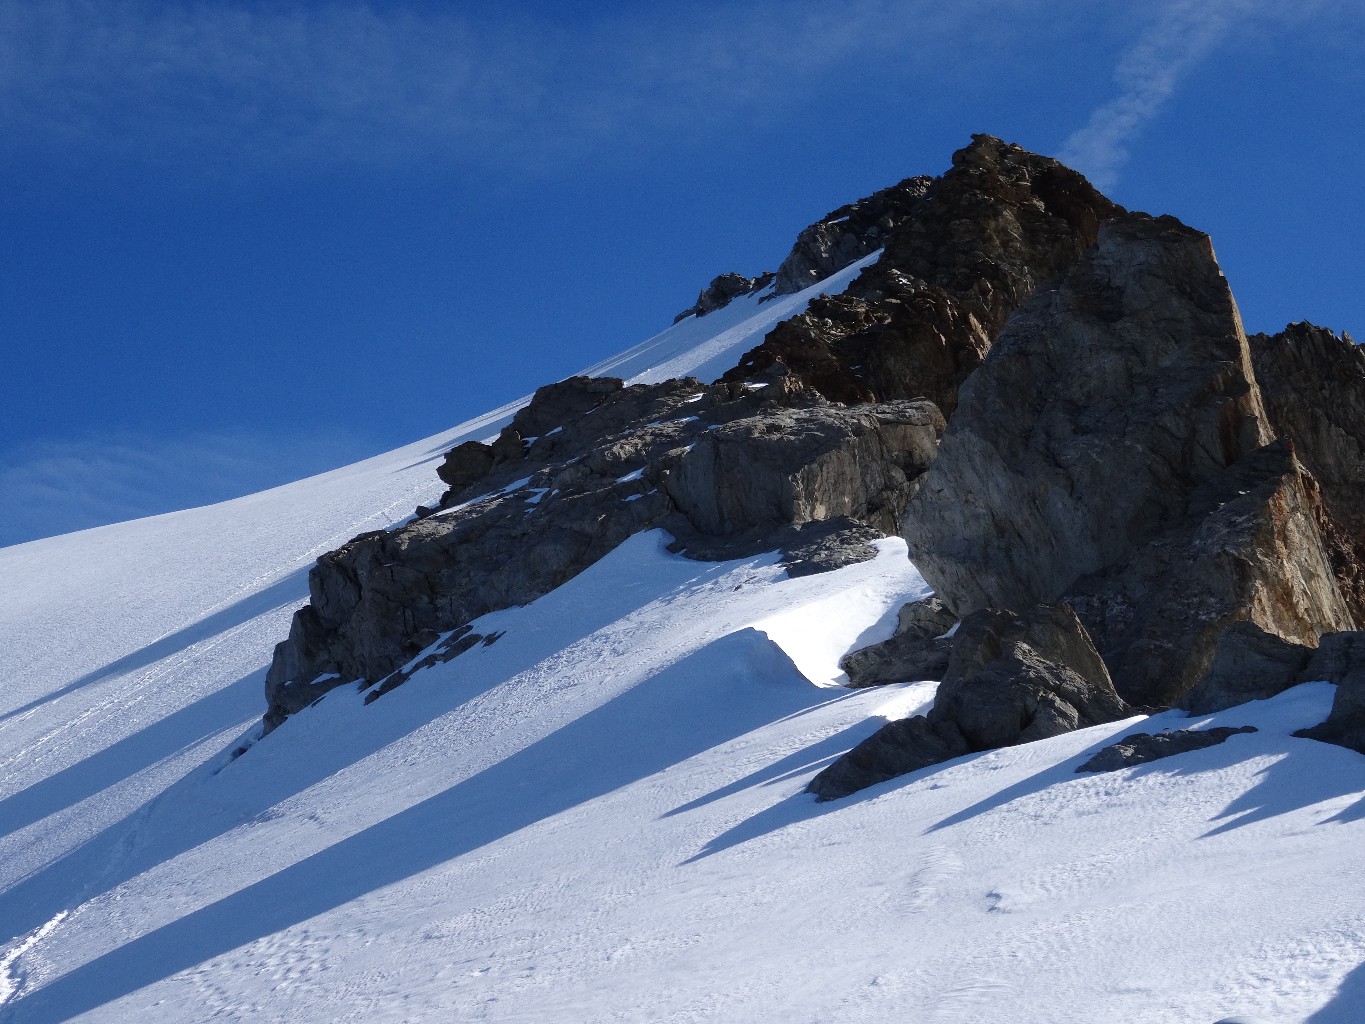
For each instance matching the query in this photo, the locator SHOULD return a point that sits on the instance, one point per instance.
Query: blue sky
(242, 242)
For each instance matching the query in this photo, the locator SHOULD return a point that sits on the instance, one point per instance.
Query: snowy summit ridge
(923, 523)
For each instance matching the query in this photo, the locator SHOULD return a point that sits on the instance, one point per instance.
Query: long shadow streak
(291, 588)
(704, 700)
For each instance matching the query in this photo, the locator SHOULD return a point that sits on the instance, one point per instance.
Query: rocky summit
(1121, 502)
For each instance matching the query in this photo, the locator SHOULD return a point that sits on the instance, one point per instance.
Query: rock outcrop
(1313, 386)
(1113, 452)
(846, 235)
(723, 290)
(919, 649)
(840, 238)
(1119, 510)
(588, 463)
(956, 264)
(1145, 747)
(804, 465)
(1340, 659)
(1009, 680)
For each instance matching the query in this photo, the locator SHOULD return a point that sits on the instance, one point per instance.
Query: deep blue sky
(243, 242)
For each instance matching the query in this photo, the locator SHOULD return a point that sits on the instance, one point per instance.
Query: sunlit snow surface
(600, 817)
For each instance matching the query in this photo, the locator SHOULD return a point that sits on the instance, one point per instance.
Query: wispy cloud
(57, 486)
(1182, 34)
(363, 83)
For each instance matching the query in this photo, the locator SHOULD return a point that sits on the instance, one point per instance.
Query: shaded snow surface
(600, 817)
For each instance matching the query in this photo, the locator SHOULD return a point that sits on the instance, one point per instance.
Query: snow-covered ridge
(600, 817)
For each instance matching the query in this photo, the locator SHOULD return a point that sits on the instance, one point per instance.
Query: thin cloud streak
(378, 85)
(1184, 34)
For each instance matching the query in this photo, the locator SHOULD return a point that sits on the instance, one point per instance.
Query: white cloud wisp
(378, 84)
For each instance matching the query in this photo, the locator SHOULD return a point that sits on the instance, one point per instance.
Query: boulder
(1143, 747)
(1248, 664)
(928, 617)
(1010, 679)
(917, 650)
(1340, 659)
(1113, 452)
(1016, 679)
(466, 464)
(804, 465)
(896, 749)
(904, 657)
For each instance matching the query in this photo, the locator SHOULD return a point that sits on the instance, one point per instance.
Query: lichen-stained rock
(1113, 452)
(1313, 385)
(955, 265)
(589, 464)
(1254, 552)
(1010, 679)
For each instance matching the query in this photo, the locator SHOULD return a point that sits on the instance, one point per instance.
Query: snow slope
(599, 817)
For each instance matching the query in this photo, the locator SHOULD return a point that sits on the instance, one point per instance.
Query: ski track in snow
(600, 817)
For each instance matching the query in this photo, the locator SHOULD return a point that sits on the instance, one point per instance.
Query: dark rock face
(1143, 747)
(847, 235)
(917, 650)
(466, 463)
(957, 263)
(1100, 397)
(1009, 680)
(722, 291)
(1340, 659)
(1112, 452)
(1313, 386)
(1248, 664)
(586, 465)
(826, 247)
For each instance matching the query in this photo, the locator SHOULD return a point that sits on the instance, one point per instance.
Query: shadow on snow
(720, 692)
(292, 589)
